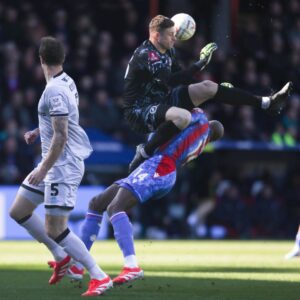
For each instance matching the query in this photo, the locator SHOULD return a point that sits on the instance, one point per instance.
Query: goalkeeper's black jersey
(148, 75)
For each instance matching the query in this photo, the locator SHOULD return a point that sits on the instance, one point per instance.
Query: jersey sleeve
(141, 60)
(57, 102)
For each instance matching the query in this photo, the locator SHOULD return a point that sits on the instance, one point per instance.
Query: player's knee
(209, 88)
(16, 213)
(203, 91)
(96, 204)
(185, 118)
(13, 214)
(182, 119)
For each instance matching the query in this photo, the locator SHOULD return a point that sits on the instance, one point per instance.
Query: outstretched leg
(175, 119)
(208, 90)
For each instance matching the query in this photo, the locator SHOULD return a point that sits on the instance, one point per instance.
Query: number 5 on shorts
(54, 189)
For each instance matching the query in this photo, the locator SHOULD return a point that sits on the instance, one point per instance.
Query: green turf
(231, 270)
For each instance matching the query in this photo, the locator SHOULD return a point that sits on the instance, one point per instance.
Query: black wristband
(200, 64)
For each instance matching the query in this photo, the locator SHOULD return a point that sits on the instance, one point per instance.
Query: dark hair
(159, 23)
(52, 51)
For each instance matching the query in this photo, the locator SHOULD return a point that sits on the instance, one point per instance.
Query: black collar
(58, 74)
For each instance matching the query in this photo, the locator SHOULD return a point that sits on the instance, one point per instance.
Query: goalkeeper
(158, 95)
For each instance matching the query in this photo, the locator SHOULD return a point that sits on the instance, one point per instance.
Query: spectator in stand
(101, 49)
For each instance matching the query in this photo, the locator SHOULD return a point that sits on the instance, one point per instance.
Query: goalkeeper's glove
(227, 84)
(205, 55)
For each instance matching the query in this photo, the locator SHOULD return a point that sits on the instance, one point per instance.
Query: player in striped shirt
(152, 179)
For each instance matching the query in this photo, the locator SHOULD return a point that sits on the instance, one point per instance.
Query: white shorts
(58, 189)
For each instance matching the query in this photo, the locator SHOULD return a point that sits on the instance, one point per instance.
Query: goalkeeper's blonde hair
(160, 23)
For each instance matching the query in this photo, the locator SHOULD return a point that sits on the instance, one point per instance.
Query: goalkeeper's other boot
(98, 287)
(295, 252)
(75, 273)
(128, 275)
(59, 269)
(137, 160)
(278, 100)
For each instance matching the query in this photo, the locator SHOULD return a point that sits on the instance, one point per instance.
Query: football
(185, 26)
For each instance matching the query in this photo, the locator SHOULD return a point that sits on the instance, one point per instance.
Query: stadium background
(246, 186)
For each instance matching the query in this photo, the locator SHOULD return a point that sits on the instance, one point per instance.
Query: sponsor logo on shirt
(153, 56)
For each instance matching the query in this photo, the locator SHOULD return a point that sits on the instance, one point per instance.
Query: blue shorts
(146, 183)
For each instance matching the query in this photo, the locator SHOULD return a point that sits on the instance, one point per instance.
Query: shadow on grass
(206, 269)
(33, 285)
(292, 269)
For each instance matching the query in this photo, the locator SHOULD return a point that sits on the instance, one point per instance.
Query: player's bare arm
(60, 135)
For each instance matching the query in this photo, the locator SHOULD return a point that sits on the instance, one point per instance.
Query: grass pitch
(210, 270)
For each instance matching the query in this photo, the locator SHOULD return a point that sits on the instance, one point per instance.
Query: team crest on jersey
(153, 109)
(55, 102)
(153, 56)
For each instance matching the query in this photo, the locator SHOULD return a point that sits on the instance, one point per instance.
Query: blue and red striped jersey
(185, 146)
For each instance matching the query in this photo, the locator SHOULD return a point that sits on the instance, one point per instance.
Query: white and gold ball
(185, 26)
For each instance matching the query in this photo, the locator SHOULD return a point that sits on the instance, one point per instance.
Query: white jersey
(60, 98)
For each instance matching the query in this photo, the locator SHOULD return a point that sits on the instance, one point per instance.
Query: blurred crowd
(100, 37)
(226, 200)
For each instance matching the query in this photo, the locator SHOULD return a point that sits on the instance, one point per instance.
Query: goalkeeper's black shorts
(146, 118)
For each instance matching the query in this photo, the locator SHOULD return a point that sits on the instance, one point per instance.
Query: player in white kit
(55, 180)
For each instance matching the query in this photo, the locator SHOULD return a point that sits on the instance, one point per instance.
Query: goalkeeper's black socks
(163, 133)
(235, 96)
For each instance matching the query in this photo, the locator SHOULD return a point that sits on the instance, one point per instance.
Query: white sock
(74, 246)
(265, 103)
(36, 229)
(58, 253)
(130, 261)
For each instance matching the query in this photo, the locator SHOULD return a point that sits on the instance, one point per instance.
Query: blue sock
(90, 228)
(123, 233)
